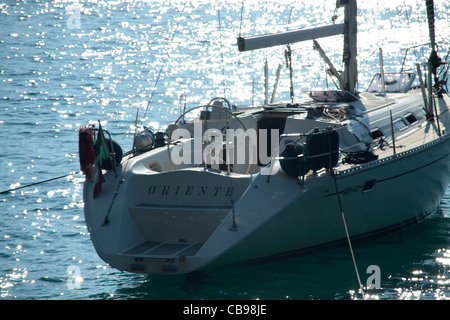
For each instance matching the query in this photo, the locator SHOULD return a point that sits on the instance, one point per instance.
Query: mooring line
(347, 234)
(36, 183)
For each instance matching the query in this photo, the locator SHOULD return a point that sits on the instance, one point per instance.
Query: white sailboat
(351, 165)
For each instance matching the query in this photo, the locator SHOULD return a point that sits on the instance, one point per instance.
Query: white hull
(181, 221)
(408, 188)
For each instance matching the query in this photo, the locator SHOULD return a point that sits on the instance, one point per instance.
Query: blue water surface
(65, 64)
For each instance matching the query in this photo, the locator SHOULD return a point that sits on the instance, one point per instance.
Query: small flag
(101, 155)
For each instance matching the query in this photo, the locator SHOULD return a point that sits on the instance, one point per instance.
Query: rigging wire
(165, 61)
(411, 32)
(242, 15)
(401, 10)
(221, 54)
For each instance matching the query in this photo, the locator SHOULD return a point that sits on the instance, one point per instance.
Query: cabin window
(400, 125)
(410, 118)
(376, 133)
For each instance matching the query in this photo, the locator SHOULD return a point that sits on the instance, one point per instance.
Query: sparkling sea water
(65, 64)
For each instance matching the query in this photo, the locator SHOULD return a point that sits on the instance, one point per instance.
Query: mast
(350, 48)
(430, 17)
(434, 61)
(348, 29)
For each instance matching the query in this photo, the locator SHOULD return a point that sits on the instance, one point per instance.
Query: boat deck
(423, 134)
